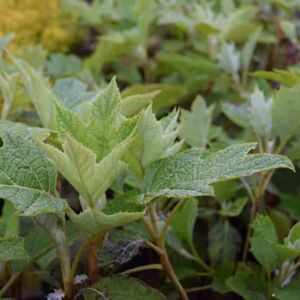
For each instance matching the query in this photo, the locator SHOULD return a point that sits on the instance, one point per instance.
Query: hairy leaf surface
(12, 248)
(191, 172)
(27, 177)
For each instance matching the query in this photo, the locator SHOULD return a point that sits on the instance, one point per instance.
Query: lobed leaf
(79, 166)
(27, 177)
(191, 172)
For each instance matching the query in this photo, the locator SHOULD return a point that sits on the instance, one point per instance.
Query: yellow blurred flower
(38, 21)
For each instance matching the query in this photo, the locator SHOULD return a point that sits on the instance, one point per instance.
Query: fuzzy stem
(64, 255)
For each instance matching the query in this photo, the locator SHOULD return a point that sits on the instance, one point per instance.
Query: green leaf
(9, 222)
(155, 139)
(8, 84)
(61, 65)
(183, 221)
(224, 241)
(101, 132)
(262, 242)
(191, 172)
(221, 274)
(248, 284)
(264, 252)
(119, 211)
(38, 91)
(120, 288)
(233, 208)
(187, 64)
(72, 92)
(169, 94)
(263, 227)
(195, 125)
(289, 30)
(290, 203)
(286, 112)
(238, 114)
(281, 222)
(290, 292)
(23, 130)
(12, 248)
(248, 50)
(293, 239)
(225, 190)
(27, 177)
(79, 166)
(131, 105)
(287, 78)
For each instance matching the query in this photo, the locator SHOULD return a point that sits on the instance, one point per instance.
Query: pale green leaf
(8, 84)
(72, 92)
(289, 29)
(119, 211)
(191, 172)
(195, 125)
(101, 133)
(229, 59)
(78, 165)
(131, 105)
(248, 50)
(38, 91)
(155, 139)
(260, 113)
(63, 64)
(27, 177)
(23, 130)
(169, 94)
(12, 248)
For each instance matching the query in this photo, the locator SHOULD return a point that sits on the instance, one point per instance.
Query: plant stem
(64, 255)
(165, 262)
(255, 201)
(8, 284)
(93, 266)
(159, 238)
(142, 268)
(77, 258)
(199, 288)
(168, 221)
